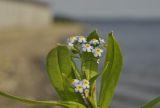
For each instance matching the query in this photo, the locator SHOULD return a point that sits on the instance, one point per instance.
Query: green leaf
(59, 66)
(68, 104)
(90, 69)
(93, 35)
(89, 62)
(93, 79)
(111, 74)
(75, 70)
(152, 103)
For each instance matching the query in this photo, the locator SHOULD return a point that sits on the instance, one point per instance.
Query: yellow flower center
(79, 87)
(87, 45)
(94, 40)
(98, 50)
(72, 37)
(86, 83)
(81, 37)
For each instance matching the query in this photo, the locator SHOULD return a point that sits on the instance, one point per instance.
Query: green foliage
(93, 35)
(62, 70)
(59, 67)
(90, 68)
(152, 103)
(111, 73)
(89, 63)
(68, 104)
(76, 71)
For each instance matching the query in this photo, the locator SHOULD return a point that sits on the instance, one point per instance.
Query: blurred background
(30, 28)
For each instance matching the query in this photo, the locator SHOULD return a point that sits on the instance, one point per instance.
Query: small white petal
(73, 39)
(94, 42)
(75, 82)
(85, 84)
(81, 90)
(82, 39)
(76, 90)
(84, 49)
(98, 61)
(87, 48)
(70, 44)
(97, 52)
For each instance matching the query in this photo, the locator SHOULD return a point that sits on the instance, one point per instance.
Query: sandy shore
(22, 61)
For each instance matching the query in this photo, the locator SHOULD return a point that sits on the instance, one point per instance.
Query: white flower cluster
(81, 87)
(95, 45)
(74, 39)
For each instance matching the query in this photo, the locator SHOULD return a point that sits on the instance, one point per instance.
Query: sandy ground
(22, 62)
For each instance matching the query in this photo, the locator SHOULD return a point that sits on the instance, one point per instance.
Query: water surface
(140, 42)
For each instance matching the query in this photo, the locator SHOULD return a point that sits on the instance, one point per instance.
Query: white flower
(97, 52)
(79, 88)
(73, 39)
(70, 44)
(82, 39)
(85, 84)
(94, 42)
(87, 47)
(101, 41)
(98, 61)
(75, 82)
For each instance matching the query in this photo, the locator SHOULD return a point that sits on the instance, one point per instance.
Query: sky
(148, 9)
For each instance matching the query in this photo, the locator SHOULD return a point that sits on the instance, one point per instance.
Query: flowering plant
(76, 86)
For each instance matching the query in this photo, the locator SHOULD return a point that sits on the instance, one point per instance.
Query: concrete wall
(13, 13)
